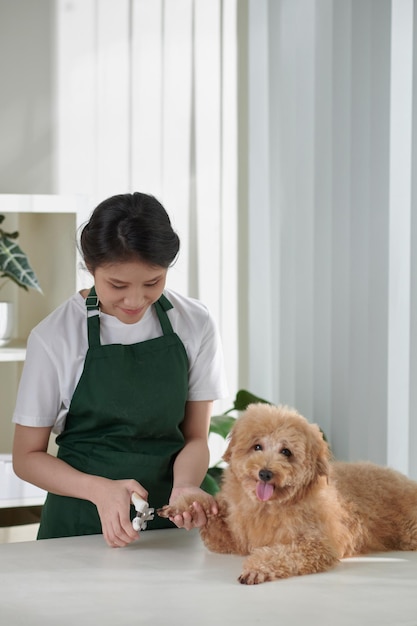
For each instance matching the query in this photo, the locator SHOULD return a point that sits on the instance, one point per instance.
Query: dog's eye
(286, 452)
(257, 447)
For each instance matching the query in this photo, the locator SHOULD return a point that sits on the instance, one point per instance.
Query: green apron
(123, 421)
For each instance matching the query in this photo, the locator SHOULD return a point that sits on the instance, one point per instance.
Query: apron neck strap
(162, 306)
(93, 319)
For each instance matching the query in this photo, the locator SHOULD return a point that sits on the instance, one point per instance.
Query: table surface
(168, 577)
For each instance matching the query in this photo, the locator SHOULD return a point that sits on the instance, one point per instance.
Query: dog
(287, 506)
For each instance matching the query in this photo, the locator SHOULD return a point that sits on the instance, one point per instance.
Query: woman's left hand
(192, 515)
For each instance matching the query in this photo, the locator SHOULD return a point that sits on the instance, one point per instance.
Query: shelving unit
(47, 226)
(15, 492)
(13, 352)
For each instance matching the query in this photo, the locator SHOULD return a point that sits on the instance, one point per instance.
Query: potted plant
(14, 266)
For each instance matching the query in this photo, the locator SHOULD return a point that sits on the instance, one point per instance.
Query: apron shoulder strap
(162, 306)
(93, 318)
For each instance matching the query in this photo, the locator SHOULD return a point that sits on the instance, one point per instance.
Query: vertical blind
(312, 276)
(335, 233)
(146, 101)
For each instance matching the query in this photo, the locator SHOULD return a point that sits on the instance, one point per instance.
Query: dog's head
(276, 454)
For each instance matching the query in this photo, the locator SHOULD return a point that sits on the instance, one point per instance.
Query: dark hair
(128, 226)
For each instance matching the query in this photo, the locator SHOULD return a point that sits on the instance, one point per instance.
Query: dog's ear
(322, 464)
(228, 452)
(322, 453)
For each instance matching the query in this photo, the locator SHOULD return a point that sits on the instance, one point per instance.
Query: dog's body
(292, 511)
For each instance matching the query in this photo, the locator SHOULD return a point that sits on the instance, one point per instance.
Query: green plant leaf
(221, 424)
(15, 265)
(210, 482)
(244, 398)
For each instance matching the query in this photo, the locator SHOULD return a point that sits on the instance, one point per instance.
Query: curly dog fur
(292, 511)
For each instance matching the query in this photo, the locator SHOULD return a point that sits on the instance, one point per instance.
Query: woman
(126, 374)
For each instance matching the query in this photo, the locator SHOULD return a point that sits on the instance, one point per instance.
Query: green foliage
(222, 424)
(14, 264)
(244, 398)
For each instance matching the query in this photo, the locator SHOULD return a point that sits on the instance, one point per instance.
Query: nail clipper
(143, 512)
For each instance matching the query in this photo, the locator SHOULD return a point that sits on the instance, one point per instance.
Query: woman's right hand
(113, 499)
(32, 463)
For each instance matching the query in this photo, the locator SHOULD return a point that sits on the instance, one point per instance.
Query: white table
(169, 578)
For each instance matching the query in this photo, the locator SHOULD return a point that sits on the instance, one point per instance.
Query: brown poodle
(291, 511)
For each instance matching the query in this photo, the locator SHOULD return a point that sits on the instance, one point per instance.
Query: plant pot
(6, 322)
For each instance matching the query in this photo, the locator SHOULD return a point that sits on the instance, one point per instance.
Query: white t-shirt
(57, 347)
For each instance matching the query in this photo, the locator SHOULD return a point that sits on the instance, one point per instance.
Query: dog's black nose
(265, 475)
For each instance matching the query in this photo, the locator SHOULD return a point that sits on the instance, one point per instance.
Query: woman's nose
(134, 298)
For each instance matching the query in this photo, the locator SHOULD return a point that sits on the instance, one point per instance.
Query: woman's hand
(192, 515)
(113, 499)
(32, 463)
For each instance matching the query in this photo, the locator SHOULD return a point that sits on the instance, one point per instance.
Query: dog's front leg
(217, 536)
(283, 561)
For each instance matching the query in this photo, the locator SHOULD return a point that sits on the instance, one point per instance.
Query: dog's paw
(170, 510)
(254, 577)
(186, 503)
(262, 565)
(164, 511)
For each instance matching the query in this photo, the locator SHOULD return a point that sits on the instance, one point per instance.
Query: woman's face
(128, 288)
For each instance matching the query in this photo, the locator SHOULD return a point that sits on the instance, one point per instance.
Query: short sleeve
(38, 399)
(207, 378)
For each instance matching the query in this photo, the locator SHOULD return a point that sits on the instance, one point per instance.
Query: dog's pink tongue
(264, 491)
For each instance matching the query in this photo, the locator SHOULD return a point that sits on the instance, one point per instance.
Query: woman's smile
(131, 311)
(138, 312)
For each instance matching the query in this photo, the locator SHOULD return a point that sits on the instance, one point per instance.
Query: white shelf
(15, 492)
(13, 503)
(78, 205)
(13, 351)
(55, 220)
(38, 203)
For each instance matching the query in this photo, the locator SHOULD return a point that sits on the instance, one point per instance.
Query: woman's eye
(257, 447)
(286, 452)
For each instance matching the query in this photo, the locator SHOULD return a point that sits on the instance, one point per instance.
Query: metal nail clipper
(143, 512)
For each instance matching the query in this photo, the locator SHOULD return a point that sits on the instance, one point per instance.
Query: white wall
(26, 96)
